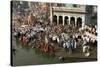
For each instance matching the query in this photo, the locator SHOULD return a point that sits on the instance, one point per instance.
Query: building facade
(70, 14)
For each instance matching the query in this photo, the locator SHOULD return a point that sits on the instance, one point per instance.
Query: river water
(25, 55)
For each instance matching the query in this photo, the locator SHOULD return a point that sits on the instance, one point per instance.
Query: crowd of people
(46, 36)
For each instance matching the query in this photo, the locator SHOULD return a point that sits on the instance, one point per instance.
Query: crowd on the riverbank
(44, 37)
(37, 31)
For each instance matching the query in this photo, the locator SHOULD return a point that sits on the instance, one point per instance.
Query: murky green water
(31, 56)
(25, 55)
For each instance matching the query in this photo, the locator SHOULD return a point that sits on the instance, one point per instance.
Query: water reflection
(26, 55)
(31, 56)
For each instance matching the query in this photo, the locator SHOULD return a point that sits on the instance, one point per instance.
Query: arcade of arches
(68, 20)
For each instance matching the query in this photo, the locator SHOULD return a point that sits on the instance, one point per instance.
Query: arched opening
(72, 21)
(55, 19)
(79, 22)
(66, 20)
(60, 19)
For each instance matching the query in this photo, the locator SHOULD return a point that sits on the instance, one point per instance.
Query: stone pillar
(75, 22)
(57, 19)
(83, 21)
(69, 21)
(63, 21)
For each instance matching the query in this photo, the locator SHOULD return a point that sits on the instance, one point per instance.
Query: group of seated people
(92, 30)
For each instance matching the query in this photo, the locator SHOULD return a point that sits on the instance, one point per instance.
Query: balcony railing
(69, 9)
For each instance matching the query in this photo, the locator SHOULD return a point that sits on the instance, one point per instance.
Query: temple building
(73, 14)
(60, 13)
